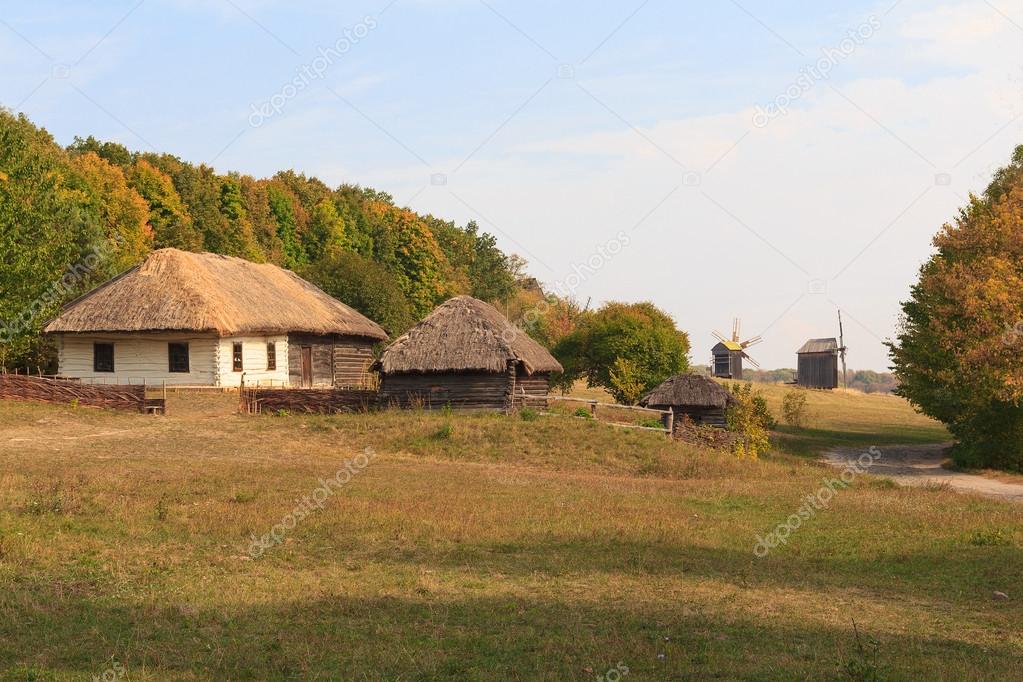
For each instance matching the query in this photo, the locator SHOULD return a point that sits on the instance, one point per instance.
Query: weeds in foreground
(994, 537)
(445, 432)
(864, 665)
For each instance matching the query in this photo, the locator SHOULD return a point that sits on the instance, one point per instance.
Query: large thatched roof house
(698, 397)
(204, 319)
(467, 355)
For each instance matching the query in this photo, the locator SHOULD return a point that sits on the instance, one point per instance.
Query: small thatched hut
(466, 355)
(204, 319)
(698, 397)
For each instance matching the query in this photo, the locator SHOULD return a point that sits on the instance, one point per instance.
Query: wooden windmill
(817, 361)
(729, 353)
(841, 351)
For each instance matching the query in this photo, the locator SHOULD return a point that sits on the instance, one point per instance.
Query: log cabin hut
(205, 320)
(466, 355)
(698, 397)
(817, 364)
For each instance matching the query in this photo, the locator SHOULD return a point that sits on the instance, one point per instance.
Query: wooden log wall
(531, 391)
(708, 416)
(308, 400)
(352, 358)
(323, 353)
(47, 390)
(337, 360)
(435, 391)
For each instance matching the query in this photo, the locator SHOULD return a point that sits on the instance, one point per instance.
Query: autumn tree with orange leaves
(959, 351)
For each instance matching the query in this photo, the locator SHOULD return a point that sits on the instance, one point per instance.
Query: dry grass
(472, 547)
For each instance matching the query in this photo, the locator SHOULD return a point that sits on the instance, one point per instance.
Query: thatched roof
(465, 334)
(690, 390)
(176, 290)
(819, 346)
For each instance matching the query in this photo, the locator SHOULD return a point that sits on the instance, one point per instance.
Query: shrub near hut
(751, 421)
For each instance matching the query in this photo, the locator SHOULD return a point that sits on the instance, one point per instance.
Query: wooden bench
(155, 406)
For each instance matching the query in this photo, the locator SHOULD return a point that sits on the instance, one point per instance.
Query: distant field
(839, 417)
(478, 547)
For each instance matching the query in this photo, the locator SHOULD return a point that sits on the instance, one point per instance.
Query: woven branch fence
(47, 390)
(256, 400)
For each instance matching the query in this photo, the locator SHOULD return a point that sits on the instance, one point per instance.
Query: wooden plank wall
(46, 390)
(817, 370)
(323, 365)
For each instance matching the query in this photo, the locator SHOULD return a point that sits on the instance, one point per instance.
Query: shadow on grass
(51, 635)
(812, 442)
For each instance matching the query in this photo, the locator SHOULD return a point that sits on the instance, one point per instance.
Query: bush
(528, 415)
(750, 420)
(793, 408)
(583, 412)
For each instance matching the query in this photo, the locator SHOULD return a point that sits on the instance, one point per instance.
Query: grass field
(483, 547)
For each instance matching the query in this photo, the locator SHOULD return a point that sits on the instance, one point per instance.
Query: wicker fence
(256, 400)
(53, 390)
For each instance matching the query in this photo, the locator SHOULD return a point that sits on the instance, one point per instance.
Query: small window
(178, 357)
(237, 354)
(271, 355)
(103, 357)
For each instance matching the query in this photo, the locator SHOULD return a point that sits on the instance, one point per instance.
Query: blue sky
(559, 125)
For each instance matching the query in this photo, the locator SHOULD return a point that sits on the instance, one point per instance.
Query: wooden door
(307, 366)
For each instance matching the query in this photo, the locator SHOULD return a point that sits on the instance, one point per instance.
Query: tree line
(73, 217)
(57, 205)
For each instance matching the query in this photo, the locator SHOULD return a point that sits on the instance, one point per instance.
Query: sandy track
(921, 465)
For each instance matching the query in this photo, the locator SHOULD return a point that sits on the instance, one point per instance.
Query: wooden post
(593, 408)
(510, 391)
(668, 419)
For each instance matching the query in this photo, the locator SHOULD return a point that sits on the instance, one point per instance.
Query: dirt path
(921, 465)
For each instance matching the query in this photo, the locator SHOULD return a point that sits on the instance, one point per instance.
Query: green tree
(237, 238)
(115, 153)
(366, 286)
(283, 210)
(326, 232)
(255, 197)
(121, 215)
(171, 223)
(638, 333)
(957, 354)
